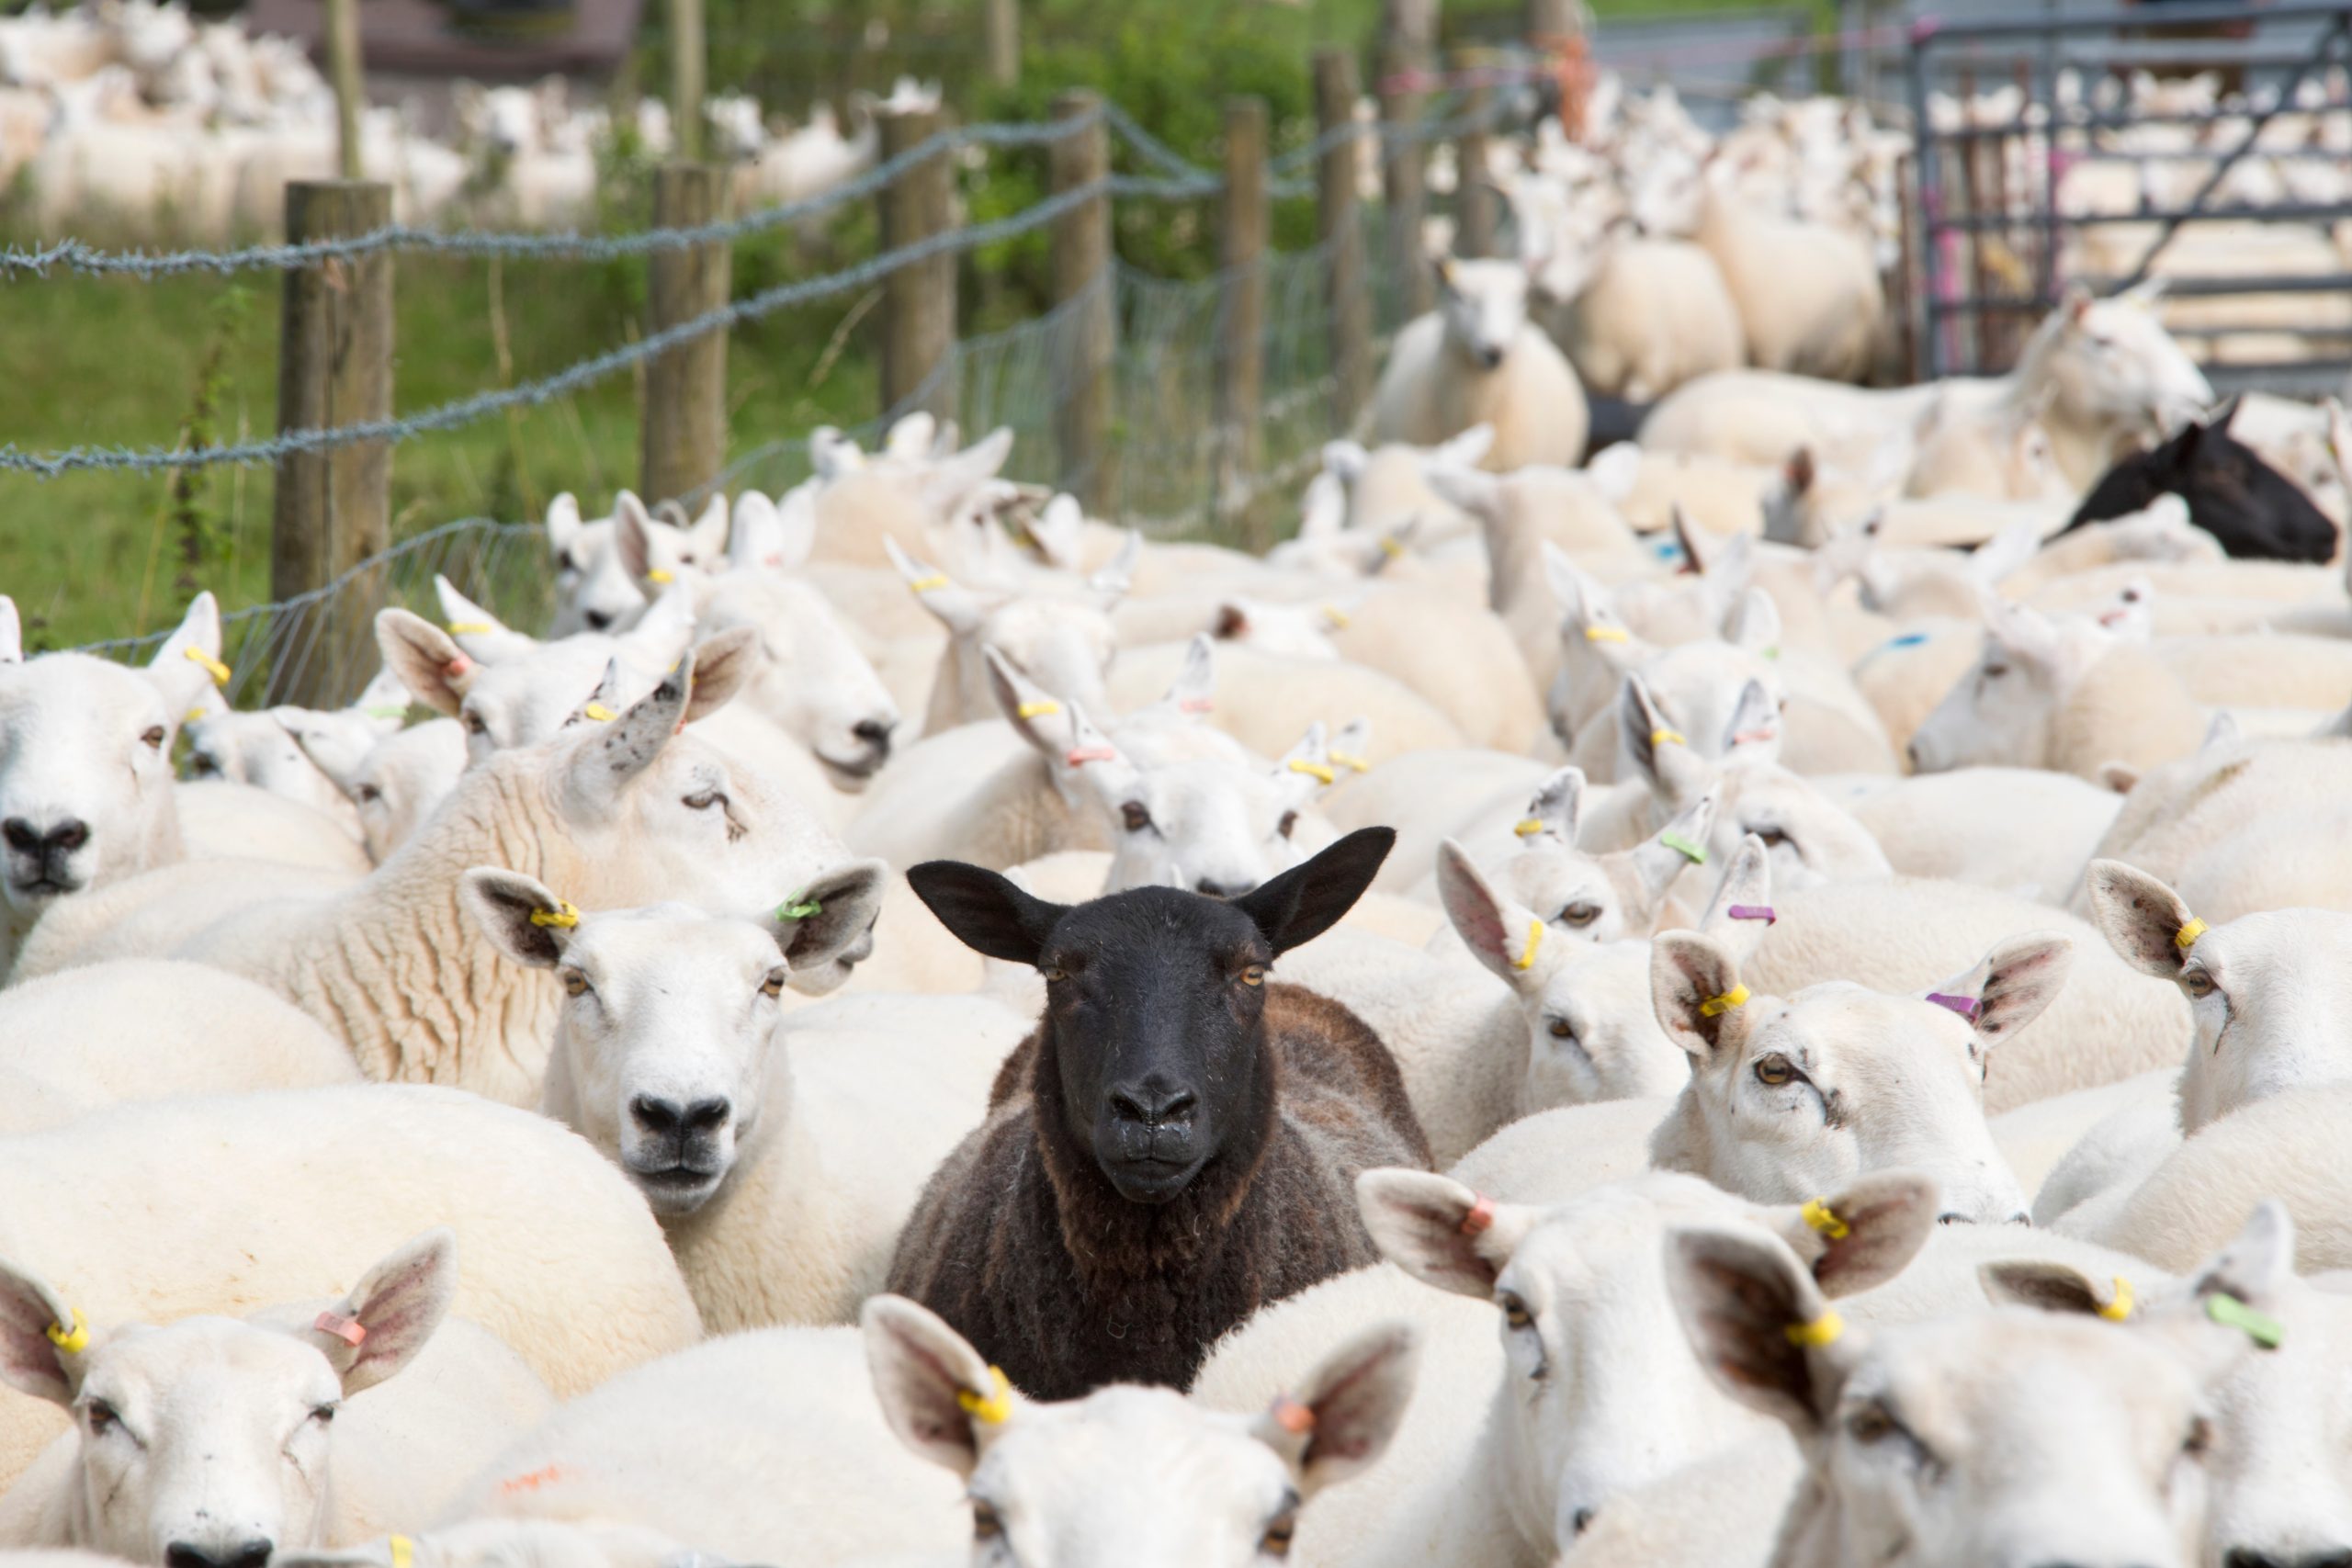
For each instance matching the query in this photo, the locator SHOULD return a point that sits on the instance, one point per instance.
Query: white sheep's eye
(2198, 1439)
(704, 800)
(1580, 914)
(202, 763)
(575, 983)
(1774, 1071)
(1135, 815)
(1772, 837)
(1871, 1424)
(474, 725)
(986, 1526)
(563, 561)
(1289, 821)
(1254, 976)
(101, 1415)
(1995, 672)
(1563, 1030)
(2196, 983)
(154, 737)
(1275, 1542)
(367, 793)
(773, 984)
(323, 1414)
(1515, 1310)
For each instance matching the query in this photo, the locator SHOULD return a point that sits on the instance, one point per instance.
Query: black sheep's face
(1156, 1000)
(2232, 494)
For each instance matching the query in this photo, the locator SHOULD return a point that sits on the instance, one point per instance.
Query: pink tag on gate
(350, 1330)
(1078, 754)
(1967, 1007)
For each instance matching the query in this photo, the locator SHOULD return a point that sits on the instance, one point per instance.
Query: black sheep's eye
(1255, 974)
(1054, 974)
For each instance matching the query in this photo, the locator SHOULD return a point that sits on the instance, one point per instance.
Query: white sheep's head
(607, 571)
(1600, 1394)
(1597, 897)
(664, 1047)
(1059, 637)
(1484, 304)
(2003, 711)
(2270, 994)
(205, 1443)
(1138, 1476)
(1790, 1096)
(2110, 361)
(399, 781)
(2016, 1435)
(85, 759)
(1181, 804)
(811, 679)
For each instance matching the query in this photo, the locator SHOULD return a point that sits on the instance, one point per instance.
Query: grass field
(113, 361)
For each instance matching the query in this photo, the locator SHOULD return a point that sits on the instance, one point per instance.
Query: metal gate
(2043, 162)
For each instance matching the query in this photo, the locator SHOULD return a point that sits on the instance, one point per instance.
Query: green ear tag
(1683, 846)
(2260, 1327)
(799, 909)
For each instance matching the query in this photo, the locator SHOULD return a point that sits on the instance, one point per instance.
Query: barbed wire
(481, 405)
(77, 256)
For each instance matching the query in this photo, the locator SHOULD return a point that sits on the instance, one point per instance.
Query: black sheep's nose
(1152, 1104)
(597, 619)
(26, 839)
(1490, 357)
(2327, 1557)
(875, 733)
(244, 1554)
(667, 1118)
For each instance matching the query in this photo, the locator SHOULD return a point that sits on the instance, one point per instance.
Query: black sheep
(2255, 511)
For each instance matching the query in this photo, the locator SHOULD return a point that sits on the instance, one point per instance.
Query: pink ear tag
(1967, 1007)
(1196, 705)
(350, 1330)
(1480, 1218)
(1078, 754)
(1290, 1415)
(456, 667)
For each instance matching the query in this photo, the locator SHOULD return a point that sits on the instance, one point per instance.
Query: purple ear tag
(1752, 912)
(1967, 1007)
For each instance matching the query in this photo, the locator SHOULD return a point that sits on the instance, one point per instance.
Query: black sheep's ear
(1307, 901)
(987, 913)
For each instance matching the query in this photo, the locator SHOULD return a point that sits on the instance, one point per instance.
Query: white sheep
(1640, 316)
(1477, 360)
(1808, 294)
(782, 1166)
(398, 781)
(2015, 830)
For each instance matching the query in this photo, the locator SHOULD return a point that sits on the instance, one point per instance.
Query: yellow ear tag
(600, 713)
(212, 667)
(993, 1410)
(195, 715)
(1823, 1218)
(1339, 618)
(470, 628)
(1390, 547)
(658, 575)
(2186, 938)
(1038, 710)
(1528, 827)
(1315, 771)
(1715, 1007)
(1827, 1330)
(1607, 634)
(1660, 737)
(925, 585)
(403, 1551)
(1351, 760)
(74, 1342)
(2119, 1309)
(563, 915)
(1534, 943)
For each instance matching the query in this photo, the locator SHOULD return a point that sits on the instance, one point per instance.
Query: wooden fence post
(1339, 227)
(681, 431)
(1549, 21)
(1408, 30)
(332, 509)
(1083, 294)
(350, 82)
(1242, 223)
(689, 67)
(1001, 24)
(918, 300)
(1475, 199)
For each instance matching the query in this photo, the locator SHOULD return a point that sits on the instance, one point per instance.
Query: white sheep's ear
(1502, 934)
(1338, 1421)
(1657, 860)
(1741, 911)
(936, 1391)
(796, 532)
(2119, 778)
(31, 1360)
(1755, 723)
(911, 436)
(1112, 584)
(1700, 549)
(563, 525)
(190, 660)
(633, 535)
(2006, 551)
(1302, 773)
(948, 441)
(1042, 719)
(706, 536)
(2258, 1262)
(1323, 510)
(827, 920)
(2142, 918)
(1466, 450)
(1059, 531)
(1346, 460)
(504, 903)
(391, 1313)
(1754, 624)
(599, 772)
(755, 538)
(1659, 752)
(724, 665)
(1696, 993)
(1556, 807)
(1192, 695)
(832, 454)
(1615, 469)
(2224, 733)
(957, 608)
(1877, 1225)
(1473, 491)
(482, 635)
(12, 632)
(2024, 631)
(2010, 986)
(1738, 1295)
(952, 479)
(1440, 1232)
(1589, 611)
(384, 702)
(428, 663)
(2046, 1285)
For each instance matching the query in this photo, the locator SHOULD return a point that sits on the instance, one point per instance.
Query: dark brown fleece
(1023, 1246)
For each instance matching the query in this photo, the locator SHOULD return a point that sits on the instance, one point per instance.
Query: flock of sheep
(1765, 995)
(136, 114)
